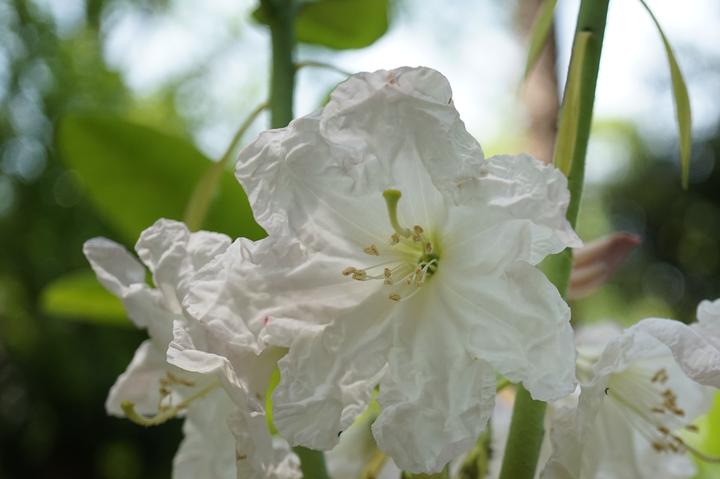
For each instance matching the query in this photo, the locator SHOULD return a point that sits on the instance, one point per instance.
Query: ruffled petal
(140, 383)
(507, 188)
(260, 456)
(123, 275)
(328, 376)
(265, 292)
(324, 174)
(436, 397)
(698, 357)
(518, 322)
(207, 450)
(114, 266)
(173, 253)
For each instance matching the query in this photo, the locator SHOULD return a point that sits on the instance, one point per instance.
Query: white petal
(517, 322)
(328, 376)
(172, 253)
(266, 291)
(207, 451)
(436, 397)
(698, 357)
(708, 313)
(114, 266)
(140, 383)
(324, 174)
(123, 275)
(521, 188)
(260, 456)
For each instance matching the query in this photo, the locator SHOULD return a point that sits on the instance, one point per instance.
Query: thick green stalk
(281, 16)
(526, 428)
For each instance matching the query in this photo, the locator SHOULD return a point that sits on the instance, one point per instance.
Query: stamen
(372, 250)
(392, 198)
(661, 376)
(168, 413)
(395, 297)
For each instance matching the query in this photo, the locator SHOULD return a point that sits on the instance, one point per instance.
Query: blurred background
(110, 110)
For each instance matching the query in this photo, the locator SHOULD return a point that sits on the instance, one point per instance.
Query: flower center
(650, 406)
(408, 259)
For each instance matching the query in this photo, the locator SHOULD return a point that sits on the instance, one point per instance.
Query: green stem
(526, 428)
(281, 14)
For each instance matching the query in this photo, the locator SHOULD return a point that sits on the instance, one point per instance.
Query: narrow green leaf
(338, 24)
(79, 296)
(542, 25)
(566, 140)
(682, 102)
(135, 174)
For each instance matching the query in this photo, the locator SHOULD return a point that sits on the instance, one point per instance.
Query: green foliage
(135, 174)
(567, 136)
(682, 102)
(79, 296)
(708, 441)
(539, 33)
(338, 24)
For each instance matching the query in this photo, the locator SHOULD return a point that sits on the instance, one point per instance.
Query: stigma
(405, 262)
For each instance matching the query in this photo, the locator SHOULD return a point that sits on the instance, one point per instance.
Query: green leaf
(79, 296)
(682, 102)
(135, 174)
(338, 24)
(707, 441)
(566, 140)
(539, 33)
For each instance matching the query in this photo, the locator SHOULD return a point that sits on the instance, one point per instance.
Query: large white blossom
(217, 405)
(639, 397)
(409, 264)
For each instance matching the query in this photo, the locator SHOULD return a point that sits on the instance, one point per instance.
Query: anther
(692, 428)
(348, 271)
(372, 250)
(660, 376)
(395, 297)
(359, 275)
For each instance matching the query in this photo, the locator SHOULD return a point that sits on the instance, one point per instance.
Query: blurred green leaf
(682, 102)
(338, 24)
(707, 440)
(135, 174)
(79, 296)
(539, 33)
(566, 140)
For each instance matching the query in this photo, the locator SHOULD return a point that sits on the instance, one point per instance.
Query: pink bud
(595, 263)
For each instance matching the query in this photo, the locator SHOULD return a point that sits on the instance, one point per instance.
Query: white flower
(153, 389)
(640, 395)
(427, 296)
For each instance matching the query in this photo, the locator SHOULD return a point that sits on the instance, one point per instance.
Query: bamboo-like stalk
(527, 428)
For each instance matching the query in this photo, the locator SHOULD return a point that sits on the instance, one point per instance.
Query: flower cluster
(400, 266)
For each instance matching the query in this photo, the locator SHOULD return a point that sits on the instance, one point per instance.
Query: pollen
(407, 264)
